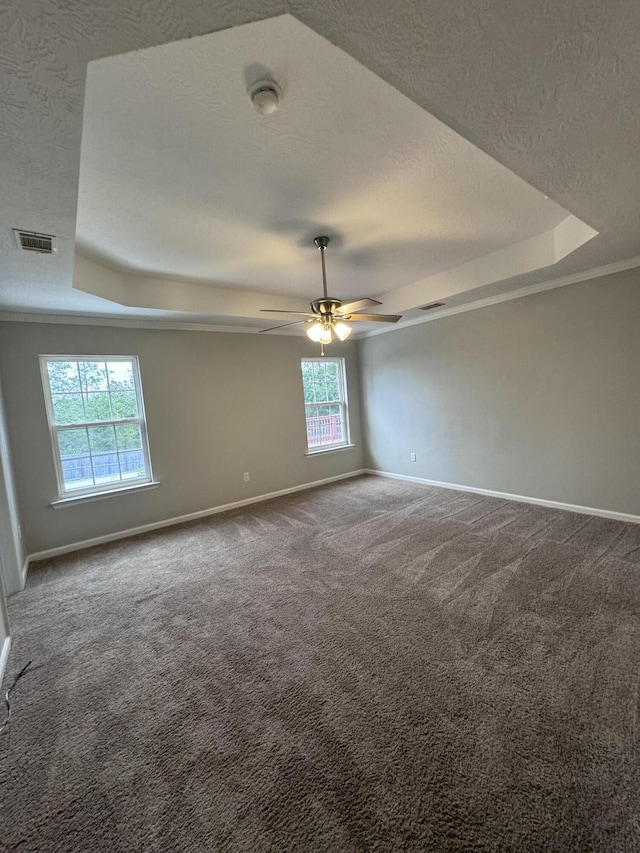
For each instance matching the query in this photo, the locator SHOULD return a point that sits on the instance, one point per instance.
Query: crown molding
(120, 322)
(540, 287)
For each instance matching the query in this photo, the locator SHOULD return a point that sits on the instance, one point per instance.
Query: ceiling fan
(328, 313)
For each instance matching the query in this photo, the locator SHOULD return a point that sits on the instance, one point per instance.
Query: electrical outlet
(413, 457)
(246, 476)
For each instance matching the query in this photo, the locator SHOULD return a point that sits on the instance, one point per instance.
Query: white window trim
(98, 496)
(329, 448)
(343, 403)
(110, 488)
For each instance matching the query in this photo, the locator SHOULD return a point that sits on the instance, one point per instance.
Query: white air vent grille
(431, 305)
(31, 241)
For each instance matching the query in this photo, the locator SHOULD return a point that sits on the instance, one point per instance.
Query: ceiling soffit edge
(438, 314)
(529, 290)
(141, 291)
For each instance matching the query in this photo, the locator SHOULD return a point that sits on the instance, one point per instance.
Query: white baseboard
(4, 656)
(585, 510)
(192, 516)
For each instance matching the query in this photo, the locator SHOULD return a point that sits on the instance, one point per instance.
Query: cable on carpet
(6, 695)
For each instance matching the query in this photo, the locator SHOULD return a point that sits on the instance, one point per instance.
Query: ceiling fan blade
(374, 318)
(278, 311)
(272, 328)
(352, 307)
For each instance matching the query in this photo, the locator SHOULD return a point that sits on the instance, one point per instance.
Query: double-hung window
(97, 424)
(325, 403)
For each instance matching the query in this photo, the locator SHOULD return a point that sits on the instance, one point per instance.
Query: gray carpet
(369, 666)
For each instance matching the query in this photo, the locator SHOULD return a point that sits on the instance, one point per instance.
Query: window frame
(343, 403)
(113, 486)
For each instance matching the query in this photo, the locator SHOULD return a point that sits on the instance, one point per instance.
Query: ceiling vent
(431, 305)
(31, 241)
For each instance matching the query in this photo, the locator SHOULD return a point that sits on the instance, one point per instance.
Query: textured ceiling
(549, 90)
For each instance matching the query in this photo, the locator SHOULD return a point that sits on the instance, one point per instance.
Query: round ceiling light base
(265, 96)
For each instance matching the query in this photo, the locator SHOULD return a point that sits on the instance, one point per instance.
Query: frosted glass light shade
(325, 337)
(315, 332)
(342, 331)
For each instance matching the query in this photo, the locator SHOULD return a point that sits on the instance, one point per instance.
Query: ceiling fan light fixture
(342, 330)
(326, 311)
(315, 332)
(325, 337)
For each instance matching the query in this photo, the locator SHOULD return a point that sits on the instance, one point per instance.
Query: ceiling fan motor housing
(326, 306)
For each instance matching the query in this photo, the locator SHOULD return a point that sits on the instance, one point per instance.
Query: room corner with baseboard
(530, 399)
(246, 425)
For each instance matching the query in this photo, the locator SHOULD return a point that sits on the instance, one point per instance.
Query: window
(96, 418)
(325, 403)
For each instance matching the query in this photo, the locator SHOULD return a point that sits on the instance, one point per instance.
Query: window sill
(322, 450)
(98, 496)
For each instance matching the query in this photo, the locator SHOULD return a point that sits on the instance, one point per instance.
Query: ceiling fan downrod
(325, 307)
(328, 305)
(322, 243)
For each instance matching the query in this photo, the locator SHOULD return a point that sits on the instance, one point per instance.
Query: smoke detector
(265, 96)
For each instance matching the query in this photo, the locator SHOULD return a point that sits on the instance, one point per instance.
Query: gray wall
(217, 404)
(12, 552)
(537, 397)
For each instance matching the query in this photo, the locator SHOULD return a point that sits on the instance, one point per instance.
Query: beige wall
(538, 396)
(217, 404)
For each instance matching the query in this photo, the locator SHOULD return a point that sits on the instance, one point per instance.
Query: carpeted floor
(369, 666)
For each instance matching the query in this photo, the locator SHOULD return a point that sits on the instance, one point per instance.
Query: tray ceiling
(348, 153)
